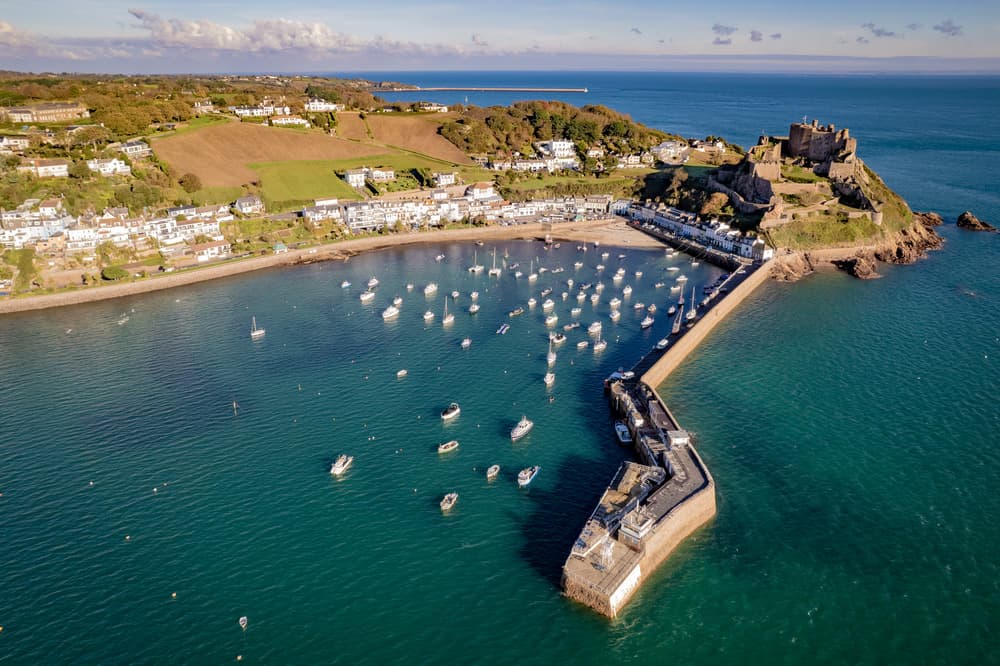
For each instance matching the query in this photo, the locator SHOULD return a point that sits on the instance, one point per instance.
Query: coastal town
(135, 238)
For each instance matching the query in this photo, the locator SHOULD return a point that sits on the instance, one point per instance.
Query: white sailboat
(476, 267)
(693, 312)
(447, 318)
(494, 271)
(255, 333)
(532, 276)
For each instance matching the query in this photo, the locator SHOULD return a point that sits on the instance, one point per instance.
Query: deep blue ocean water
(851, 428)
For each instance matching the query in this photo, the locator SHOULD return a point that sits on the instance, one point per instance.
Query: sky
(205, 36)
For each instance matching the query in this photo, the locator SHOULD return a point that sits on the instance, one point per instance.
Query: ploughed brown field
(351, 126)
(219, 154)
(417, 133)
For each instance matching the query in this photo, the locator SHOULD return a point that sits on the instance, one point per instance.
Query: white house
(136, 149)
(249, 205)
(14, 144)
(289, 121)
(322, 106)
(443, 179)
(480, 191)
(356, 177)
(557, 148)
(431, 106)
(209, 251)
(45, 168)
(381, 175)
(109, 167)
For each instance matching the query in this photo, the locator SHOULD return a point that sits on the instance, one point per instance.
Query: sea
(162, 475)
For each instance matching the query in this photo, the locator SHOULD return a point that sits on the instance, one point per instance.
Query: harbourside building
(712, 234)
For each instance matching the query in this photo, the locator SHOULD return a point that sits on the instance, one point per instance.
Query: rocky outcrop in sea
(862, 265)
(969, 221)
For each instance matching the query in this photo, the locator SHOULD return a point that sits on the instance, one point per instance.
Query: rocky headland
(969, 221)
(861, 261)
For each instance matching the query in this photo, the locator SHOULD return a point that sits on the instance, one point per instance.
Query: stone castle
(822, 149)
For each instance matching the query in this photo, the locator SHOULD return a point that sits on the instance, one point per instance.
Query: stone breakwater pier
(649, 506)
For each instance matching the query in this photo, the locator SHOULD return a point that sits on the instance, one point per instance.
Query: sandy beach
(612, 232)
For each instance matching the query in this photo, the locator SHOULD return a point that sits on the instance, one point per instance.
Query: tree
(79, 170)
(190, 182)
(114, 273)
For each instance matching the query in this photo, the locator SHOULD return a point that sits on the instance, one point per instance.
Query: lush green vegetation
(503, 130)
(290, 185)
(114, 273)
(797, 174)
(817, 231)
(24, 261)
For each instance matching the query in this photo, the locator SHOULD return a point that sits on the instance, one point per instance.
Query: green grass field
(286, 185)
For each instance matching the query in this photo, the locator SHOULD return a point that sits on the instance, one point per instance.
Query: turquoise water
(851, 428)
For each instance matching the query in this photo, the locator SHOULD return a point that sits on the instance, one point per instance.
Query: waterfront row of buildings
(688, 226)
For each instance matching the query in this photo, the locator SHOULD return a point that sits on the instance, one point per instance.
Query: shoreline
(608, 231)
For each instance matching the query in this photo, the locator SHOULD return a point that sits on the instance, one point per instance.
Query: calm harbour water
(851, 428)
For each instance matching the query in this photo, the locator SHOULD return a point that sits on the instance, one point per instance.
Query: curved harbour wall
(607, 583)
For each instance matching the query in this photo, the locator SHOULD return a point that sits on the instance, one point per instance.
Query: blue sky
(728, 35)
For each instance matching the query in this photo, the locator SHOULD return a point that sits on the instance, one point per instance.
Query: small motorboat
(341, 464)
(466, 343)
(448, 447)
(527, 475)
(523, 427)
(451, 411)
(492, 472)
(401, 373)
(662, 344)
(449, 501)
(622, 433)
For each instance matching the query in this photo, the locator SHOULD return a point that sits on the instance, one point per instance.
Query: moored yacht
(527, 475)
(255, 333)
(367, 296)
(466, 343)
(594, 328)
(341, 464)
(428, 315)
(390, 312)
(474, 308)
(345, 284)
(614, 303)
(557, 338)
(447, 317)
(430, 288)
(647, 322)
(662, 344)
(398, 300)
(551, 320)
(626, 290)
(492, 472)
(549, 379)
(522, 428)
(615, 315)
(451, 411)
(600, 345)
(373, 282)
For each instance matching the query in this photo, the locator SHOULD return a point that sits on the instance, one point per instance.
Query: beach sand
(612, 232)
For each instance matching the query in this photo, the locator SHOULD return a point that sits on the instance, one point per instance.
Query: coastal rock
(909, 245)
(862, 265)
(791, 267)
(928, 219)
(969, 221)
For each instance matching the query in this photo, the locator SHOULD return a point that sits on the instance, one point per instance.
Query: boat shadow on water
(557, 514)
